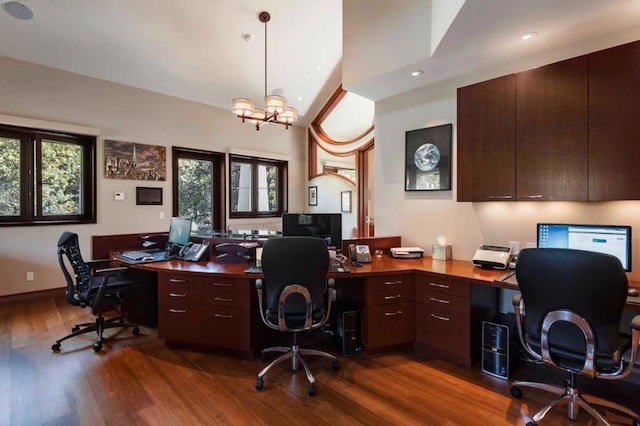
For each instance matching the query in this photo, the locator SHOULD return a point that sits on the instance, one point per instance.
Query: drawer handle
(223, 285)
(439, 317)
(222, 299)
(177, 311)
(531, 197)
(177, 295)
(393, 297)
(392, 282)
(222, 316)
(433, 299)
(500, 197)
(175, 280)
(438, 285)
(391, 314)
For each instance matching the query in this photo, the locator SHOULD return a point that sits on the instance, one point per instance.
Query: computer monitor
(179, 231)
(610, 239)
(327, 226)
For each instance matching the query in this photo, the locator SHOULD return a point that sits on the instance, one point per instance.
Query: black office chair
(98, 289)
(294, 296)
(572, 301)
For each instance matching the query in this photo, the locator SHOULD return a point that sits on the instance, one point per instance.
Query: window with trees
(257, 187)
(46, 178)
(198, 182)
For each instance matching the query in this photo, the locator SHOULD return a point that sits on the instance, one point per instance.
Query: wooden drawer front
(180, 321)
(390, 324)
(225, 327)
(443, 329)
(226, 298)
(386, 289)
(183, 280)
(443, 284)
(227, 285)
(178, 293)
(444, 300)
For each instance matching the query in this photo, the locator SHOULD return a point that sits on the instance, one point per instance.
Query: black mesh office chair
(294, 296)
(572, 301)
(91, 287)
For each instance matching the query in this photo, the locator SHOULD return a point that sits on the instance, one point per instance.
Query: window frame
(31, 177)
(282, 196)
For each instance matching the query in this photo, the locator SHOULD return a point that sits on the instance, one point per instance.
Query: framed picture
(136, 161)
(428, 159)
(313, 195)
(345, 201)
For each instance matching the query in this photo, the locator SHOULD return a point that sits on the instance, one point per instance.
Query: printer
(489, 256)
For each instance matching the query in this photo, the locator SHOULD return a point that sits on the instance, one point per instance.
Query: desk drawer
(390, 284)
(427, 295)
(227, 285)
(180, 321)
(390, 324)
(443, 329)
(178, 292)
(183, 280)
(398, 293)
(225, 327)
(215, 296)
(442, 284)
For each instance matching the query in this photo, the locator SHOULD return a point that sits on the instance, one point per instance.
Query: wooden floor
(137, 380)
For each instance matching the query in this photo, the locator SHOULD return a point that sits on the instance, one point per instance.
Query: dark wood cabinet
(614, 123)
(486, 140)
(552, 132)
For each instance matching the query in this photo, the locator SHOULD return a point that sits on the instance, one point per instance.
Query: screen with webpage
(179, 231)
(609, 239)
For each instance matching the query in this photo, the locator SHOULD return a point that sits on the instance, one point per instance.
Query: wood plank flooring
(140, 381)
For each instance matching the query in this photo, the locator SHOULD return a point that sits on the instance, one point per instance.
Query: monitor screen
(179, 231)
(327, 226)
(610, 239)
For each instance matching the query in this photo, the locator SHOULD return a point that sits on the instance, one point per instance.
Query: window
(257, 187)
(198, 182)
(46, 178)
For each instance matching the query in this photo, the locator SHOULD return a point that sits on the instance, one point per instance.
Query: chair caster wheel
(135, 331)
(312, 389)
(97, 347)
(55, 346)
(259, 384)
(74, 329)
(263, 357)
(336, 364)
(516, 392)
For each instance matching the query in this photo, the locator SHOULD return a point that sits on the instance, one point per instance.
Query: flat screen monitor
(610, 239)
(327, 226)
(179, 231)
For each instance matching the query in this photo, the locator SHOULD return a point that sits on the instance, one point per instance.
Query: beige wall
(128, 114)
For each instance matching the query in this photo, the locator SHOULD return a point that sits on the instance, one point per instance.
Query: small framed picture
(345, 201)
(313, 195)
(428, 159)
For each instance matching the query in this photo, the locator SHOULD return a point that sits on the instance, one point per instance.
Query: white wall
(420, 217)
(128, 114)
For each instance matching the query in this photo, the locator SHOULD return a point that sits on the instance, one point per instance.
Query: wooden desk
(433, 305)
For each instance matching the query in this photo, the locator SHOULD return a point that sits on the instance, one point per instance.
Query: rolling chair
(573, 301)
(294, 296)
(95, 288)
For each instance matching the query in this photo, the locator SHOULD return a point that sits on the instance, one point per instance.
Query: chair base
(571, 396)
(296, 355)
(99, 325)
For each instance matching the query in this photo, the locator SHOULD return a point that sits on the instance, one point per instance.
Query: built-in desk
(433, 305)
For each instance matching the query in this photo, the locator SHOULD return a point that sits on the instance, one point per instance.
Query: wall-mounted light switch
(160, 215)
(118, 196)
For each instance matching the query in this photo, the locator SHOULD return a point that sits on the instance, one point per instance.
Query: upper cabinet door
(614, 123)
(486, 141)
(552, 132)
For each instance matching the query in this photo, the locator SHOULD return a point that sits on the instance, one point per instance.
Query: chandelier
(275, 108)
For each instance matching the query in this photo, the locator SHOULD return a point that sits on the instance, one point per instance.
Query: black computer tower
(500, 345)
(349, 332)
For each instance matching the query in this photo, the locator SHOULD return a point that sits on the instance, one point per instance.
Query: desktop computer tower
(349, 332)
(500, 345)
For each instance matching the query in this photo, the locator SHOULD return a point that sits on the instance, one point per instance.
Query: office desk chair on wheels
(573, 301)
(294, 296)
(91, 287)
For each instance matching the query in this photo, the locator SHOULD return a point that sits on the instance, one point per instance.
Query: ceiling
(195, 50)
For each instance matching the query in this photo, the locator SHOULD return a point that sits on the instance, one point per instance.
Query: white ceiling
(195, 50)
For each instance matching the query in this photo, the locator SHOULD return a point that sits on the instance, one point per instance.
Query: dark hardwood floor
(138, 380)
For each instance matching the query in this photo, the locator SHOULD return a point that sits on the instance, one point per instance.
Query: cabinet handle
(177, 295)
(439, 317)
(392, 297)
(500, 197)
(391, 314)
(222, 316)
(175, 280)
(222, 285)
(433, 299)
(531, 197)
(392, 282)
(222, 299)
(177, 311)
(438, 285)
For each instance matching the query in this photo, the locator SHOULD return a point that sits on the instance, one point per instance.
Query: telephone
(194, 252)
(359, 253)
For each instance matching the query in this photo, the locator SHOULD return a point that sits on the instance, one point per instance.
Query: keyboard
(134, 254)
(334, 266)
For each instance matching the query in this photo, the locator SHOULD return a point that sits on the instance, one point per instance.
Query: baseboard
(14, 299)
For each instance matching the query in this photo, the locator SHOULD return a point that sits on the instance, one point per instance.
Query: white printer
(489, 256)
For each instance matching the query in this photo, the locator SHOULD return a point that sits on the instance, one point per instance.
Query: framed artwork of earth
(428, 159)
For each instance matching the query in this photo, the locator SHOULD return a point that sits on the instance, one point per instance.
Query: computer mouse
(634, 292)
(356, 264)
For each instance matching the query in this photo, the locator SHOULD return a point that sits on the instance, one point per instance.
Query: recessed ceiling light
(317, 67)
(529, 36)
(299, 98)
(18, 10)
(416, 73)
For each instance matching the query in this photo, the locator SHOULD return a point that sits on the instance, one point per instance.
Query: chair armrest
(111, 271)
(331, 283)
(635, 322)
(259, 283)
(95, 262)
(516, 299)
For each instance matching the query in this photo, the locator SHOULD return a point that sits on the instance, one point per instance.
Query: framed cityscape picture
(428, 159)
